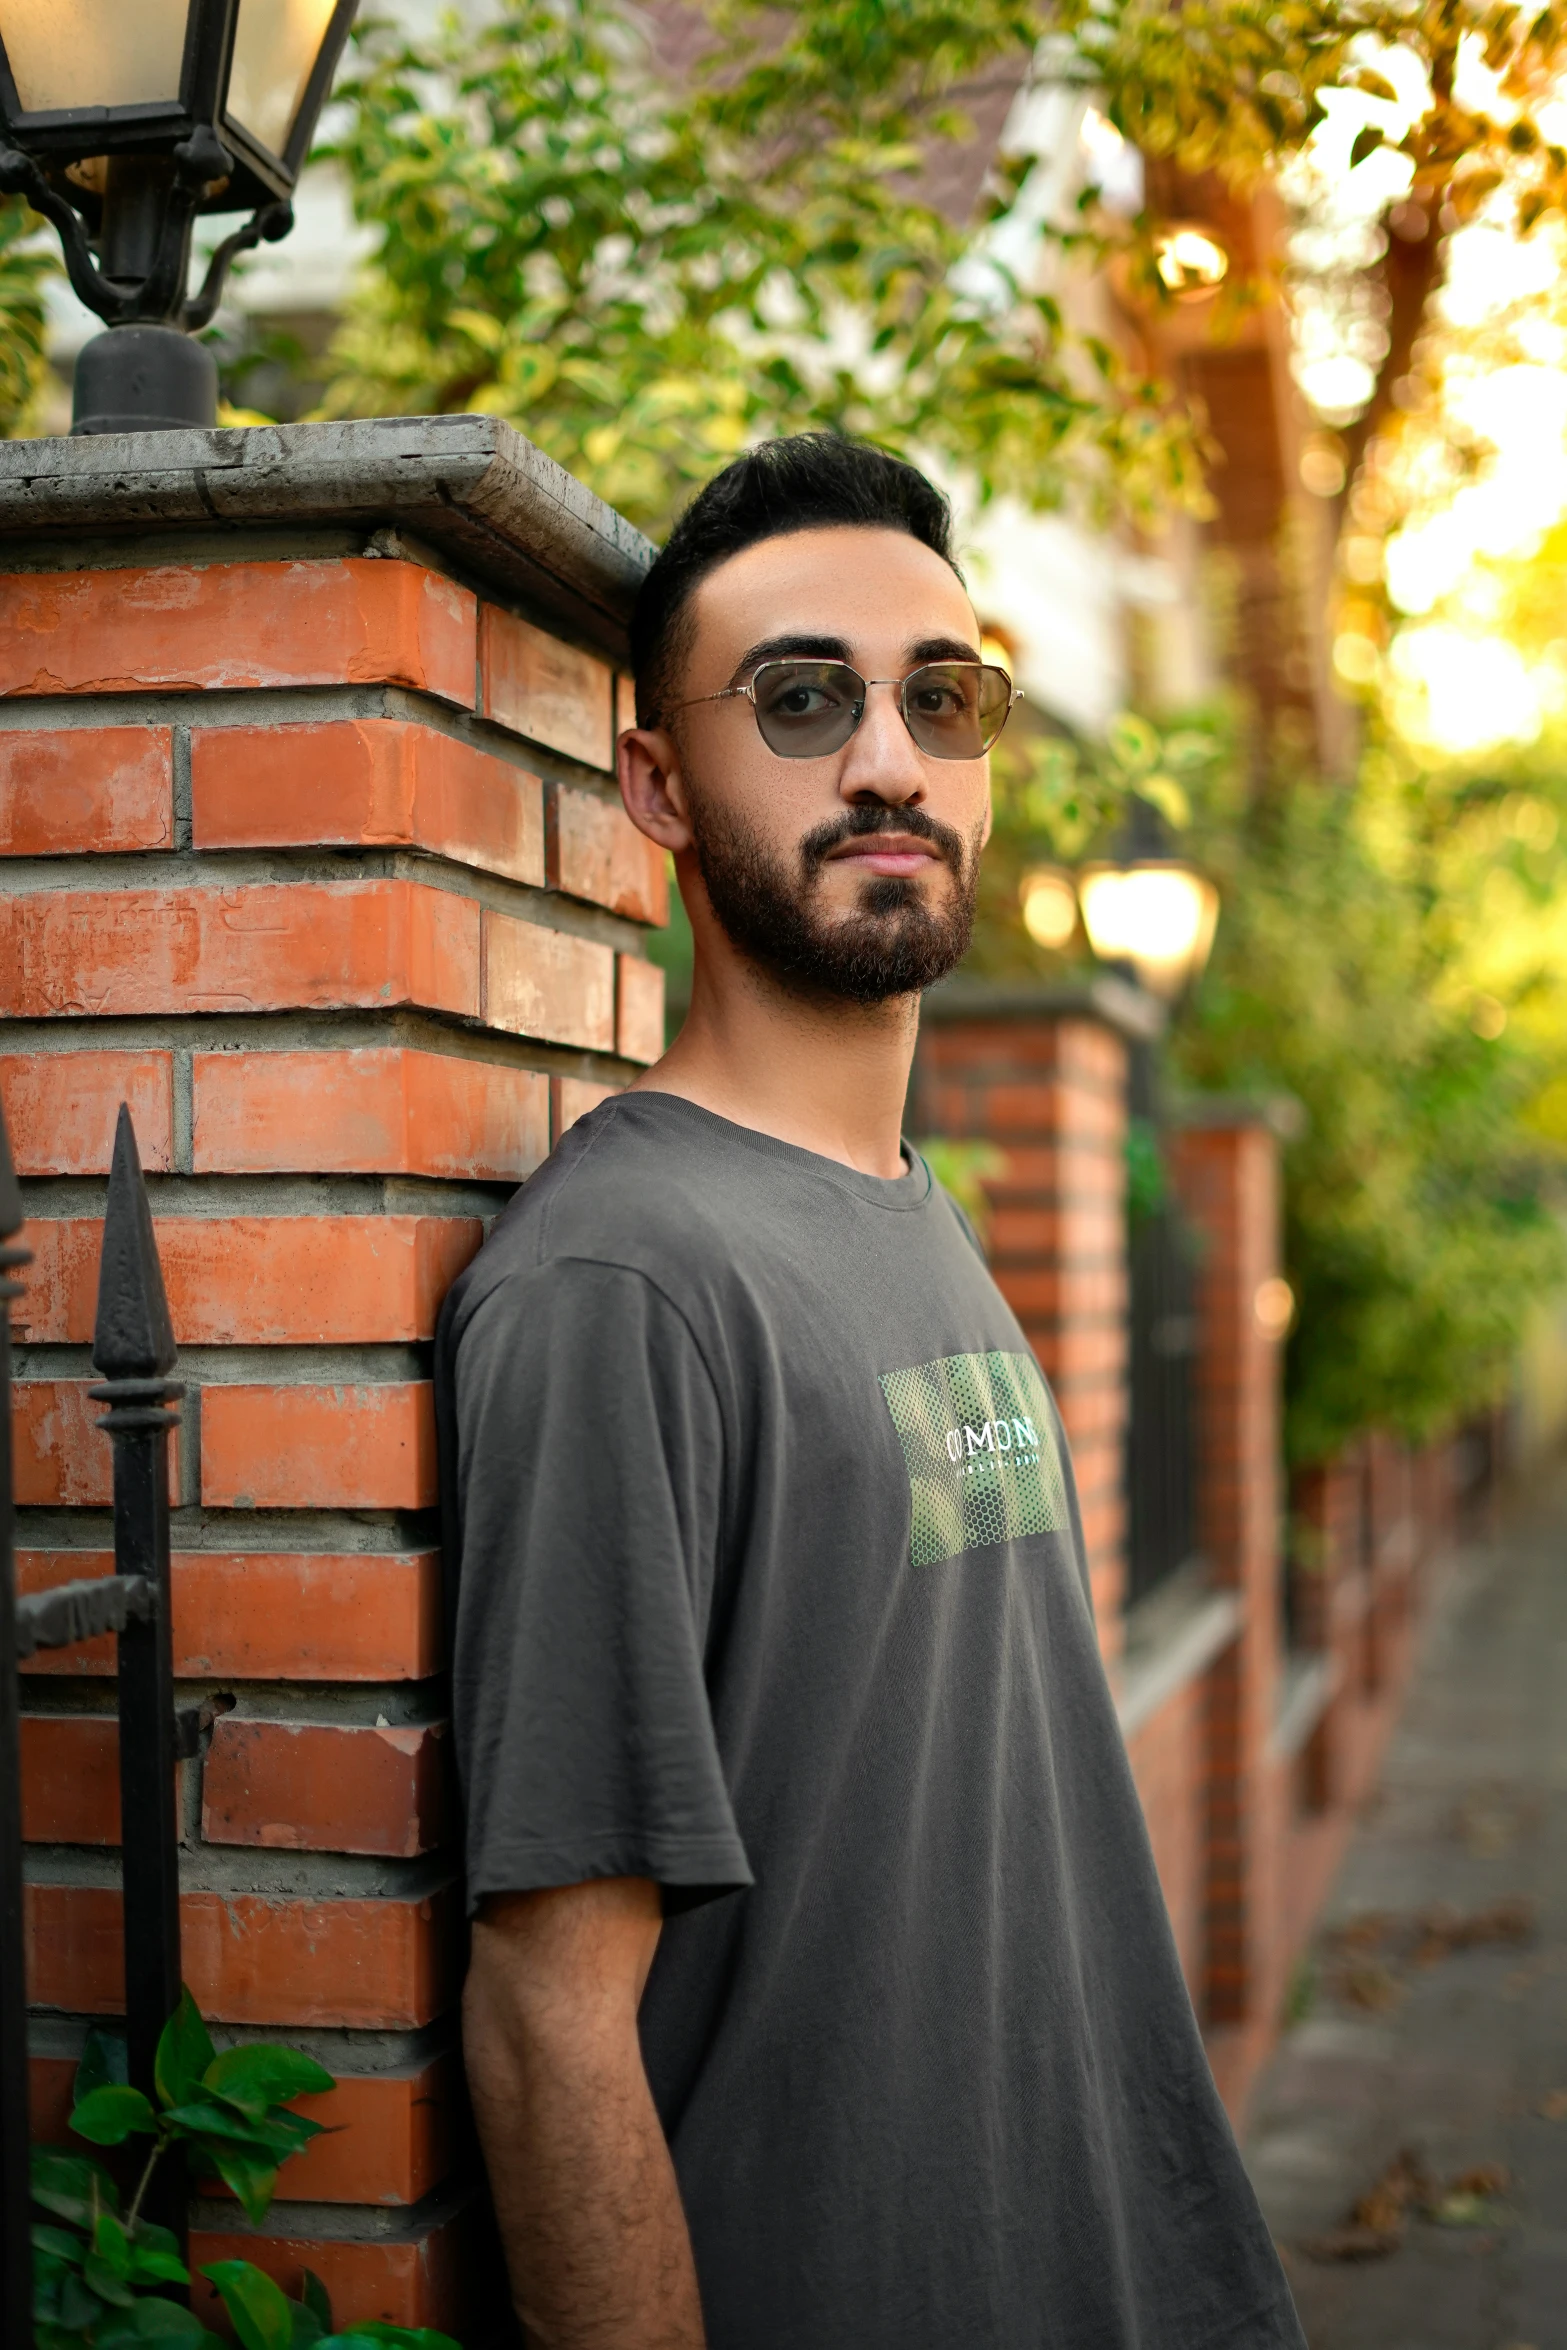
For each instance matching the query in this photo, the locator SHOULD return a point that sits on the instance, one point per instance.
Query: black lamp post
(124, 119)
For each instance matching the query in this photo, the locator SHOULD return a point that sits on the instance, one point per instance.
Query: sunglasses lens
(956, 709)
(807, 708)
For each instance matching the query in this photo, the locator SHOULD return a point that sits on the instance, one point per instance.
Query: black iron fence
(1161, 1445)
(133, 1351)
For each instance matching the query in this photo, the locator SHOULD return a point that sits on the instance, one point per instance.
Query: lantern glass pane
(275, 46)
(1158, 918)
(70, 53)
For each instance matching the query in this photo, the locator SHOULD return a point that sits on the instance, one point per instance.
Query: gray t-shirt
(772, 1590)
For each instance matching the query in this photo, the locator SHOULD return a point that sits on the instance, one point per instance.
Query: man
(822, 1996)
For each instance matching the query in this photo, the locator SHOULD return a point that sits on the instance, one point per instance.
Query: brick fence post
(314, 858)
(1225, 1162)
(1042, 1075)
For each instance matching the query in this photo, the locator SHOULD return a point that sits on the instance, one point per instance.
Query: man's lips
(890, 853)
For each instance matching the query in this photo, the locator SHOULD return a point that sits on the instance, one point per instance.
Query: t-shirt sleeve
(589, 1490)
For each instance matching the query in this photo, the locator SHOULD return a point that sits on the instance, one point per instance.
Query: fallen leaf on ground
(1368, 1985)
(1553, 2106)
(1352, 2244)
(1386, 2204)
(1491, 1818)
(1444, 1930)
(1487, 2178)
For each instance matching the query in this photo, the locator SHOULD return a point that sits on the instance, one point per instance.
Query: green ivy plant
(102, 2274)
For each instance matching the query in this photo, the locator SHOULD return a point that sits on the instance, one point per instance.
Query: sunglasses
(806, 709)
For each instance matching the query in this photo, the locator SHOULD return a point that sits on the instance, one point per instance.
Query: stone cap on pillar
(1115, 1003)
(1281, 1114)
(494, 508)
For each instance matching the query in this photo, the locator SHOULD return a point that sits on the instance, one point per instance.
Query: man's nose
(880, 761)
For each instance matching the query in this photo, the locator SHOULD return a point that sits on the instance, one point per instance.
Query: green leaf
(184, 2052)
(204, 2117)
(316, 2298)
(257, 2308)
(100, 2276)
(48, 2277)
(389, 2337)
(155, 2320)
(59, 2243)
(111, 2244)
(72, 2186)
(109, 2116)
(308, 2329)
(79, 2305)
(257, 2076)
(150, 2264)
(252, 2177)
(105, 2064)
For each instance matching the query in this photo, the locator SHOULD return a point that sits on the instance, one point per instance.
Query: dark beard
(891, 945)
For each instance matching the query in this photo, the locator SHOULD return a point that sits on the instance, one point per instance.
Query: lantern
(1150, 908)
(125, 119)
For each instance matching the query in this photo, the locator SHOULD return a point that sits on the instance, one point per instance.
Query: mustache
(861, 823)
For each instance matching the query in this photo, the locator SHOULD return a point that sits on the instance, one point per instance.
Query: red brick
(60, 1109)
(572, 1098)
(420, 2280)
(49, 2100)
(366, 782)
(639, 1009)
(340, 1447)
(388, 2138)
(546, 983)
(264, 1280)
(595, 852)
(250, 1958)
(237, 624)
(272, 947)
(61, 1455)
(66, 790)
(378, 1111)
(324, 1787)
(273, 1615)
(70, 1779)
(543, 689)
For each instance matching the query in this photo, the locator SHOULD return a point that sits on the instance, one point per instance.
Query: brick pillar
(1227, 1173)
(315, 859)
(1042, 1076)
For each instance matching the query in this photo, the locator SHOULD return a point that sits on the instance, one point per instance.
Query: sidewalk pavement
(1409, 2140)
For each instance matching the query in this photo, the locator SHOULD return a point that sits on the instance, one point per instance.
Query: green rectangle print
(978, 1439)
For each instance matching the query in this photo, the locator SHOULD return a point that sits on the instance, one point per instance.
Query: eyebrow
(802, 646)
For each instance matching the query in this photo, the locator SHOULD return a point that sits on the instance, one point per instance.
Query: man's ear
(652, 786)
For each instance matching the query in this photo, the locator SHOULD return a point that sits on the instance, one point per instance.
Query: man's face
(852, 873)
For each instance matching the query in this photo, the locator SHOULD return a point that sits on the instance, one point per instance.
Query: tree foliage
(643, 278)
(643, 266)
(25, 266)
(1418, 1225)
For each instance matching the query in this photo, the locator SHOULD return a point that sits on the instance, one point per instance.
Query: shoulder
(630, 1189)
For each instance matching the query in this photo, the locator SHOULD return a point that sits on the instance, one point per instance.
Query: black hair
(809, 481)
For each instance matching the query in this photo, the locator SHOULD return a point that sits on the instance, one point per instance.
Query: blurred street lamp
(1191, 262)
(1049, 903)
(1150, 908)
(124, 119)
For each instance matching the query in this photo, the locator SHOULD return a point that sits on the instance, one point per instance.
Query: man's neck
(827, 1075)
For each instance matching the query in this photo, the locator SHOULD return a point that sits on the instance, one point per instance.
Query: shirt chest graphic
(980, 1449)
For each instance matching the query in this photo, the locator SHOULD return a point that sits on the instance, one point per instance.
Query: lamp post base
(144, 379)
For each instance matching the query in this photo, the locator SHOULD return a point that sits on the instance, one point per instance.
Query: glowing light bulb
(1159, 917)
(1049, 904)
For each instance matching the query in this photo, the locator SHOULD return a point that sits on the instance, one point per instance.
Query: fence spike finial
(133, 1337)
